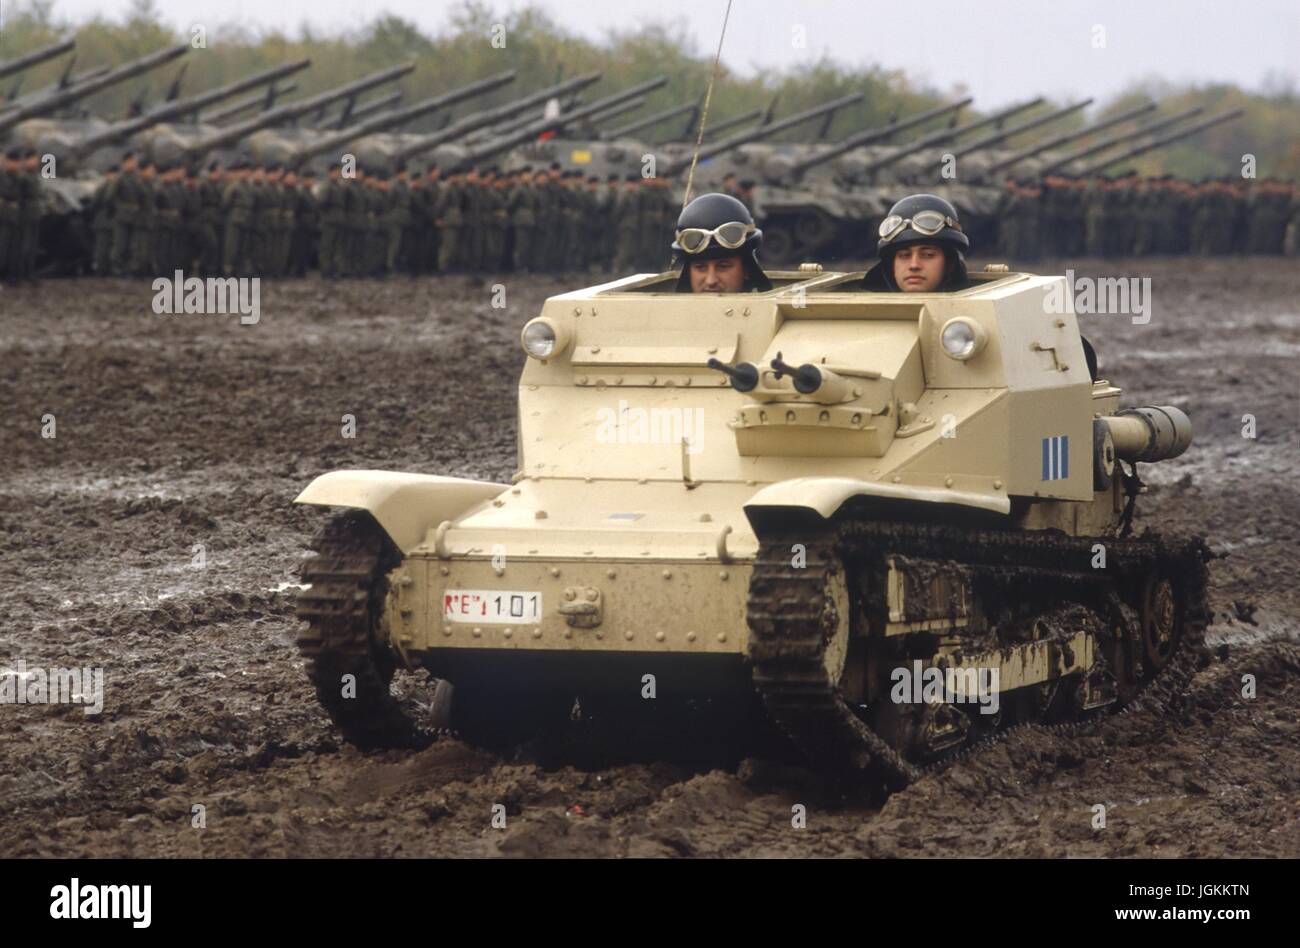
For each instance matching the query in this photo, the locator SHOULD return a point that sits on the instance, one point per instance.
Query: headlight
(542, 339)
(962, 338)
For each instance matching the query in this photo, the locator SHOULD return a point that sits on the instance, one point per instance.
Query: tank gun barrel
(648, 121)
(1113, 140)
(400, 116)
(285, 112)
(35, 57)
(121, 130)
(867, 136)
(946, 134)
(269, 95)
(736, 121)
(74, 93)
(1163, 140)
(616, 110)
(477, 120)
(1011, 130)
(762, 131)
(477, 153)
(1066, 138)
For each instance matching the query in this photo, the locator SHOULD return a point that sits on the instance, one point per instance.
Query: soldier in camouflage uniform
(396, 221)
(496, 221)
(306, 225)
(24, 192)
(333, 220)
(101, 217)
(627, 213)
(449, 218)
(205, 227)
(9, 171)
(143, 242)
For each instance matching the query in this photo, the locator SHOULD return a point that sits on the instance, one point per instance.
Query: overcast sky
(1002, 50)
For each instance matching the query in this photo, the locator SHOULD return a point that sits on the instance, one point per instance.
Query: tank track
(348, 583)
(788, 611)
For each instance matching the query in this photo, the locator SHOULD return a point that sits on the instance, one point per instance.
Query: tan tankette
(830, 497)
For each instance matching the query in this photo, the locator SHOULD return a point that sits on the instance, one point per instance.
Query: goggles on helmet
(927, 223)
(731, 235)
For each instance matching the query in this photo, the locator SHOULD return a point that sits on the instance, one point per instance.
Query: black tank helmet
(707, 213)
(938, 225)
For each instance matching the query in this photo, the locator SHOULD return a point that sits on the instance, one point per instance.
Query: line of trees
(541, 50)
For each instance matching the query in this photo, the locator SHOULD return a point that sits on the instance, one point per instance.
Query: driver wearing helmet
(920, 248)
(717, 242)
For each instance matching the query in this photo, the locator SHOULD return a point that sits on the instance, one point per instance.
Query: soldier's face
(918, 268)
(723, 275)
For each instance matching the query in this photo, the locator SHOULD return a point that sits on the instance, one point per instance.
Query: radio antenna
(704, 113)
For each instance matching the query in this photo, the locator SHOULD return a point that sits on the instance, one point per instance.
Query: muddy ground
(181, 437)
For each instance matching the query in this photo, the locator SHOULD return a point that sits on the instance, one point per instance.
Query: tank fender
(825, 495)
(407, 506)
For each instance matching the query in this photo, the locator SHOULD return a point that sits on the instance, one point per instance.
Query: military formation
(253, 220)
(1130, 216)
(249, 220)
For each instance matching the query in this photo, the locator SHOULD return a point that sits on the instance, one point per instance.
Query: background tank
(817, 495)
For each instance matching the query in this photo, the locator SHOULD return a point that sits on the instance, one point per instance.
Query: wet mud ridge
(153, 537)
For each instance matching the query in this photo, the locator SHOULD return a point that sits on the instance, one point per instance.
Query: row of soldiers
(269, 221)
(1130, 216)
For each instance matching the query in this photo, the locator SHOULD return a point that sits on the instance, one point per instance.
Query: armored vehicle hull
(867, 508)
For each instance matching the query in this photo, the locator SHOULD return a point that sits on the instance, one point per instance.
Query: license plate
(500, 606)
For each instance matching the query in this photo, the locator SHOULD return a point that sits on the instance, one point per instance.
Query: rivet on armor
(555, 571)
(628, 636)
(508, 632)
(478, 633)
(668, 574)
(446, 630)
(690, 636)
(539, 515)
(537, 633)
(722, 636)
(569, 594)
(591, 594)
(724, 576)
(659, 636)
(947, 482)
(444, 570)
